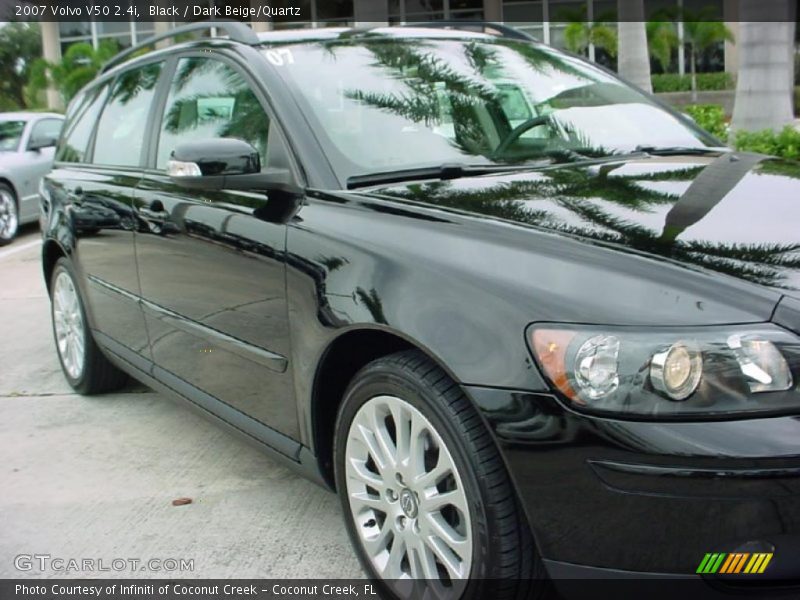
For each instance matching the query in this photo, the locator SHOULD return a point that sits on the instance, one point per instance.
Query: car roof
(312, 35)
(28, 115)
(343, 33)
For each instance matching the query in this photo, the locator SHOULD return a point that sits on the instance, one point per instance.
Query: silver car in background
(27, 145)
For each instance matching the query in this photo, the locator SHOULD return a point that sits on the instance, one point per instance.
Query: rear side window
(209, 99)
(81, 120)
(80, 123)
(122, 127)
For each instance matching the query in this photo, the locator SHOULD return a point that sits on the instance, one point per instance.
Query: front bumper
(651, 498)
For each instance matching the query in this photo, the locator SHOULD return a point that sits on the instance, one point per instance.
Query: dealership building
(544, 19)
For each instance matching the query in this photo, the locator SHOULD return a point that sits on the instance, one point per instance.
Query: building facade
(544, 19)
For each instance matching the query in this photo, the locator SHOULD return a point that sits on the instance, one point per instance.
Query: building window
(405, 11)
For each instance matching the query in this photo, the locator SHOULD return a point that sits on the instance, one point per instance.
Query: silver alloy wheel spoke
(9, 220)
(407, 497)
(68, 322)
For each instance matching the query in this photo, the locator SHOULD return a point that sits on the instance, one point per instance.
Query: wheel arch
(343, 357)
(7, 181)
(51, 252)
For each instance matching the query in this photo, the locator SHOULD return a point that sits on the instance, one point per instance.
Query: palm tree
(662, 39)
(79, 65)
(634, 61)
(580, 32)
(701, 32)
(583, 195)
(764, 84)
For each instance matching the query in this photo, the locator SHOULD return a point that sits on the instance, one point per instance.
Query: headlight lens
(596, 366)
(676, 371)
(671, 371)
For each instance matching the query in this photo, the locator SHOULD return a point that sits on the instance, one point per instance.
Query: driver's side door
(212, 263)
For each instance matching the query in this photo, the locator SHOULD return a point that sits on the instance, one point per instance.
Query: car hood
(734, 213)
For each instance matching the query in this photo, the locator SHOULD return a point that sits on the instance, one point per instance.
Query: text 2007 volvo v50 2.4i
(526, 321)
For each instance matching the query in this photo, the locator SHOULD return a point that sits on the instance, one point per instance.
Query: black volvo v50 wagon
(524, 319)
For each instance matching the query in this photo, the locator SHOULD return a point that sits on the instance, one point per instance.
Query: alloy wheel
(69, 325)
(9, 220)
(406, 496)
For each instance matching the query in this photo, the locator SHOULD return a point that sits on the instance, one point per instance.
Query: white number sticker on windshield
(280, 57)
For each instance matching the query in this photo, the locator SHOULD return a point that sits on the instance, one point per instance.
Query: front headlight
(670, 372)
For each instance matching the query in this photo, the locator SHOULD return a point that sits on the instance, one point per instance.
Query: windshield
(10, 135)
(378, 103)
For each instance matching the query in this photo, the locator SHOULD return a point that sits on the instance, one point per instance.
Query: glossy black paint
(234, 343)
(220, 156)
(647, 497)
(243, 295)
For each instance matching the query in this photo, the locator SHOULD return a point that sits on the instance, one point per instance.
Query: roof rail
(237, 31)
(499, 29)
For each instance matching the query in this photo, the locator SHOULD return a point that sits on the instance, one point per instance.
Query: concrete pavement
(94, 478)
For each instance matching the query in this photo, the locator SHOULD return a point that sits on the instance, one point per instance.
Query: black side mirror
(226, 164)
(38, 143)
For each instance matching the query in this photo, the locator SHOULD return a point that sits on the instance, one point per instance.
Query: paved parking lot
(94, 478)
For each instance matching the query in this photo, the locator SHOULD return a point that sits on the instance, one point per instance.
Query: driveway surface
(94, 478)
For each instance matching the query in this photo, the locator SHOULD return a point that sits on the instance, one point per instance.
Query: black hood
(734, 213)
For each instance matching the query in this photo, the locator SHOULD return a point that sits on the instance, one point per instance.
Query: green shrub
(706, 82)
(785, 143)
(710, 117)
(670, 82)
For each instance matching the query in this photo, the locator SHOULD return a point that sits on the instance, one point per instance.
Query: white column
(261, 26)
(546, 21)
(161, 27)
(51, 51)
(730, 11)
(634, 60)
(95, 40)
(590, 18)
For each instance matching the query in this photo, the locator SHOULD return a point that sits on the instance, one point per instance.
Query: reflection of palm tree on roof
(759, 263)
(573, 189)
(568, 183)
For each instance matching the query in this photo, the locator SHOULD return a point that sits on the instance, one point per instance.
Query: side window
(80, 122)
(121, 130)
(209, 99)
(46, 128)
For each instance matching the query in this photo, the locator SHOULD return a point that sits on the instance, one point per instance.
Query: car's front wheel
(9, 215)
(424, 491)
(87, 370)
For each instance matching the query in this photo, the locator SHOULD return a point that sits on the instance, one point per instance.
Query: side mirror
(226, 164)
(38, 143)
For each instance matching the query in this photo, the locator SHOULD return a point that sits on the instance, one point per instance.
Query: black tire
(7, 194)
(505, 563)
(97, 374)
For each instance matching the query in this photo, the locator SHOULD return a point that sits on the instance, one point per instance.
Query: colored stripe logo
(735, 563)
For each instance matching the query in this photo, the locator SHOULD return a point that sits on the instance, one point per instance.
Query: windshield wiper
(444, 171)
(679, 150)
